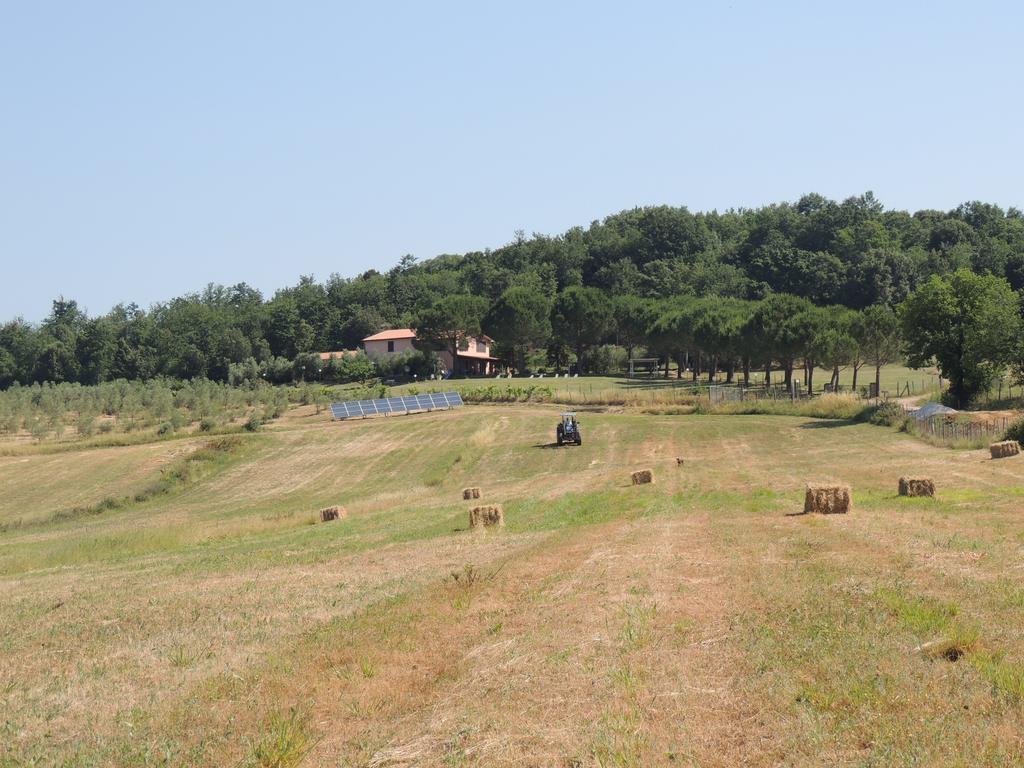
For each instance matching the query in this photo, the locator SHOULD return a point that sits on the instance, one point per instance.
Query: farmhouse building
(474, 359)
(391, 342)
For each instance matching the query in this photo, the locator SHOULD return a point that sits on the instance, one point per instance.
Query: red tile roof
(394, 333)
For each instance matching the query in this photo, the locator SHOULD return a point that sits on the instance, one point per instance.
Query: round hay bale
(486, 516)
(828, 499)
(471, 493)
(327, 514)
(917, 486)
(642, 477)
(1004, 449)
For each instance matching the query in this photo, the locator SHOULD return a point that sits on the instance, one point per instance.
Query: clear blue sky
(149, 148)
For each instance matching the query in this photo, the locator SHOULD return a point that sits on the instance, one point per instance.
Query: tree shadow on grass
(827, 423)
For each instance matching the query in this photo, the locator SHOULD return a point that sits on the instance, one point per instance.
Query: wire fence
(736, 393)
(952, 430)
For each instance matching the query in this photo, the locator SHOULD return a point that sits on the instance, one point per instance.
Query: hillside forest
(815, 284)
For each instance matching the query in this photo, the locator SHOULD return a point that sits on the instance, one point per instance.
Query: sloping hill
(687, 622)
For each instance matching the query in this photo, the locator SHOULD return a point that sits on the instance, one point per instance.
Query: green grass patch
(841, 407)
(284, 744)
(1006, 678)
(210, 458)
(925, 617)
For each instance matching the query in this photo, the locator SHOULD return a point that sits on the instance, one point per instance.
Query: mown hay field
(699, 620)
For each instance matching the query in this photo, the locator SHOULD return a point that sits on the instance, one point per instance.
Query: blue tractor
(568, 430)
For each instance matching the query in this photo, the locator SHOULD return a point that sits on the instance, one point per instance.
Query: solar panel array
(387, 405)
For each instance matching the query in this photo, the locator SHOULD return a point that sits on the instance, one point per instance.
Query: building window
(481, 348)
(391, 346)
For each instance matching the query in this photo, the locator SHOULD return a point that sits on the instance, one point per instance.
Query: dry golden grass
(36, 486)
(692, 622)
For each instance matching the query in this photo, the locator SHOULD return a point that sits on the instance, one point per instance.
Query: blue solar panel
(407, 404)
(345, 410)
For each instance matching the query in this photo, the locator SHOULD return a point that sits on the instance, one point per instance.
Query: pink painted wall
(380, 348)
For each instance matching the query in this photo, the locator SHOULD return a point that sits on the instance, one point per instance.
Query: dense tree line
(811, 284)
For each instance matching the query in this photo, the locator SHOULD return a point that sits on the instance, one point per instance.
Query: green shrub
(253, 423)
(284, 744)
(38, 429)
(1015, 431)
(824, 407)
(165, 429)
(498, 394)
(887, 414)
(12, 422)
(178, 419)
(86, 423)
(207, 424)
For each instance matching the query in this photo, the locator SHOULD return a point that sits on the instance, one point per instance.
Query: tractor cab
(568, 430)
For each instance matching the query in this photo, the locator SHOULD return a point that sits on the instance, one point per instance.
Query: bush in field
(354, 368)
(276, 370)
(306, 367)
(351, 367)
(245, 372)
(887, 414)
(207, 424)
(178, 419)
(497, 394)
(86, 423)
(1015, 431)
(253, 423)
(274, 401)
(420, 363)
(38, 428)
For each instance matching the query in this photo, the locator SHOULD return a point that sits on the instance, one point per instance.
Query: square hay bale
(327, 514)
(917, 486)
(486, 516)
(470, 493)
(642, 477)
(828, 499)
(1004, 449)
